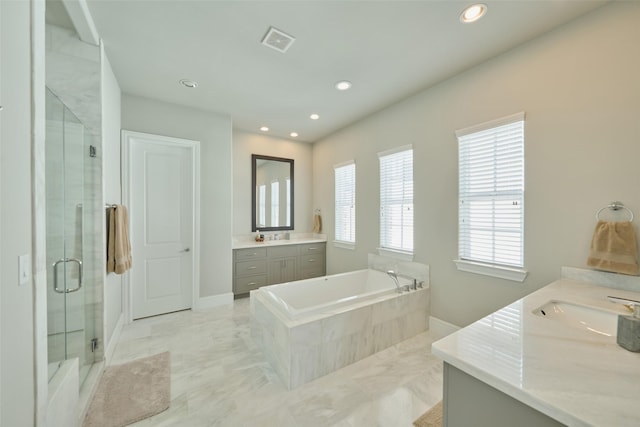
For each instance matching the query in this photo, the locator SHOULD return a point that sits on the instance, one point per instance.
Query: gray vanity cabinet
(249, 269)
(311, 261)
(268, 265)
(491, 407)
(281, 264)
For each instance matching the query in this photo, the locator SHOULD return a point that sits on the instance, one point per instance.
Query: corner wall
(111, 123)
(214, 133)
(580, 90)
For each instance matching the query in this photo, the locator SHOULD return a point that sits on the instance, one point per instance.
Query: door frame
(127, 136)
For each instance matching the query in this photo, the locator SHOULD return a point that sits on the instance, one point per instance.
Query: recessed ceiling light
(473, 13)
(188, 83)
(343, 85)
(264, 129)
(314, 116)
(293, 134)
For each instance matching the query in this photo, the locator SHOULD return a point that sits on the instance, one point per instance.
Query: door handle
(55, 275)
(186, 250)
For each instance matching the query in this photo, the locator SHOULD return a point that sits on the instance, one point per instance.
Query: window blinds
(396, 199)
(491, 192)
(345, 202)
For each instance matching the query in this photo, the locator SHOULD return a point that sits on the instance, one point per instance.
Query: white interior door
(162, 183)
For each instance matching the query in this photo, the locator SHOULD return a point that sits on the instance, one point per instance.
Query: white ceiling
(388, 49)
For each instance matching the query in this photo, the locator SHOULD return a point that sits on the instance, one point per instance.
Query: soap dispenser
(629, 330)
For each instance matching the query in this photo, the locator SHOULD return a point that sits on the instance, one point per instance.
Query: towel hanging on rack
(317, 222)
(614, 248)
(119, 246)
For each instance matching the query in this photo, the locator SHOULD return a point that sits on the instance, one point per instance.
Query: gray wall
(244, 145)
(111, 98)
(17, 398)
(214, 133)
(579, 88)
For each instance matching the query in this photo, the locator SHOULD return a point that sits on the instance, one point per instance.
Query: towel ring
(614, 206)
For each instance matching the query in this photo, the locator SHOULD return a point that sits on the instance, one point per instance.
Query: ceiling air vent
(278, 40)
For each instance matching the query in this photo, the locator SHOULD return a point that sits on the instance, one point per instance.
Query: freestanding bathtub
(312, 327)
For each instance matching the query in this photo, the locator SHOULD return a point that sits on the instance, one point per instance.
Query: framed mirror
(271, 193)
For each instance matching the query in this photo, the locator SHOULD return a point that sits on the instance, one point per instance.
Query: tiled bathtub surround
(304, 349)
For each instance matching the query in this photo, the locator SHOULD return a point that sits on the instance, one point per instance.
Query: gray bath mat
(131, 392)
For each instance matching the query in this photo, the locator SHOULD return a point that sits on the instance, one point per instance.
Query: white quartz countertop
(242, 244)
(576, 376)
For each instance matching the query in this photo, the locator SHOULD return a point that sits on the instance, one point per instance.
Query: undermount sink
(590, 319)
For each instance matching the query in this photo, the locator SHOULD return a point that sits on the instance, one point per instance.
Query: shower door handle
(55, 275)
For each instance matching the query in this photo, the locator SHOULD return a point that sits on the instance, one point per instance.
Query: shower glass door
(71, 322)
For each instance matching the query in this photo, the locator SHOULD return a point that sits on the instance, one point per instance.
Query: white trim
(37, 64)
(344, 245)
(517, 117)
(514, 274)
(126, 135)
(395, 150)
(89, 388)
(347, 163)
(113, 341)
(391, 253)
(440, 328)
(204, 303)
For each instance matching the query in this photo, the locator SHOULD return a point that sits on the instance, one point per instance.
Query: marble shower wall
(75, 216)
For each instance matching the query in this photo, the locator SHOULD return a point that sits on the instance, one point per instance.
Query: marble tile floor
(220, 377)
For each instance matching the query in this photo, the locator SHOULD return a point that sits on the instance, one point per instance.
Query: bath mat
(431, 418)
(131, 392)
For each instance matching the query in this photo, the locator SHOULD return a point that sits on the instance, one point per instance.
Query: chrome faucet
(394, 276)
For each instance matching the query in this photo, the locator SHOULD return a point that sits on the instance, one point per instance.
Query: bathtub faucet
(394, 276)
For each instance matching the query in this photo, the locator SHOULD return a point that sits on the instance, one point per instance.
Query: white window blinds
(345, 202)
(491, 192)
(396, 199)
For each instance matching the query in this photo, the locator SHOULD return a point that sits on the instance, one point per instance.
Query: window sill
(401, 255)
(344, 245)
(514, 274)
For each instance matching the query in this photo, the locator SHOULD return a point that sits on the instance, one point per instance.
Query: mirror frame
(254, 161)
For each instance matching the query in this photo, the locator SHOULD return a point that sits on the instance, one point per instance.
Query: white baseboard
(204, 303)
(113, 342)
(441, 328)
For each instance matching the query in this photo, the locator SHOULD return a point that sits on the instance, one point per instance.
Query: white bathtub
(309, 297)
(312, 327)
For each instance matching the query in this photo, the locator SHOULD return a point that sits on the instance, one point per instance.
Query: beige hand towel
(119, 248)
(317, 223)
(614, 248)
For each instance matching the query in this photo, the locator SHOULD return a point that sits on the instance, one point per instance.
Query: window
(491, 196)
(275, 203)
(396, 200)
(345, 202)
(288, 203)
(262, 194)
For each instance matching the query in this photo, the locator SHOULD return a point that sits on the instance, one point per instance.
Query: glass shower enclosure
(70, 213)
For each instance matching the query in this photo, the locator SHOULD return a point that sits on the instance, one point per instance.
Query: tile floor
(220, 377)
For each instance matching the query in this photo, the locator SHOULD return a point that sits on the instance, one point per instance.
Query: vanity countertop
(243, 244)
(576, 376)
